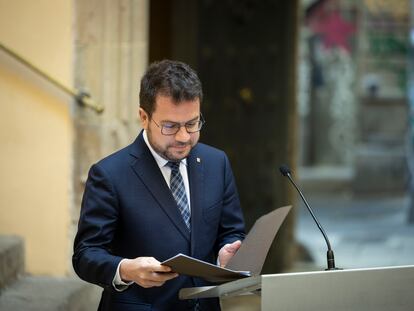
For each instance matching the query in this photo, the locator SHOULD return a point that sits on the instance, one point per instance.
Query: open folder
(249, 259)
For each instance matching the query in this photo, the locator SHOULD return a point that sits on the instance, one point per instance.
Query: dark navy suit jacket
(128, 211)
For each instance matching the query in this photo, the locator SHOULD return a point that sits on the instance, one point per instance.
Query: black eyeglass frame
(177, 126)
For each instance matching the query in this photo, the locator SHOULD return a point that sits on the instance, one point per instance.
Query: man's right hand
(145, 271)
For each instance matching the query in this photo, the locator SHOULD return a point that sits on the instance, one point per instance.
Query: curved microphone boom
(285, 170)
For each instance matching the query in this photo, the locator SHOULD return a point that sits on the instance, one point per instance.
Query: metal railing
(82, 98)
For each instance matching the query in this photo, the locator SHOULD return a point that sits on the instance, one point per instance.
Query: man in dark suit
(164, 194)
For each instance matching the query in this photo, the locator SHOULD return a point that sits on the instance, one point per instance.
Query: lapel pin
(198, 160)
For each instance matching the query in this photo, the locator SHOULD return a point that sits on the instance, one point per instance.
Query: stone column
(380, 159)
(411, 119)
(111, 55)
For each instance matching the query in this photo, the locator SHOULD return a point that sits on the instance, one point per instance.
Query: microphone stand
(330, 254)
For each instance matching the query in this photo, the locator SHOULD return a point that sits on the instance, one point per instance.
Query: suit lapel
(146, 168)
(196, 180)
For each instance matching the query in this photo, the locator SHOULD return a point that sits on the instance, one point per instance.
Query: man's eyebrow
(193, 119)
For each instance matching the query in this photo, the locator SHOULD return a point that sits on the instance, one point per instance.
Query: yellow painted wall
(36, 131)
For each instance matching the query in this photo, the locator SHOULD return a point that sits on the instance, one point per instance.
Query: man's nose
(182, 135)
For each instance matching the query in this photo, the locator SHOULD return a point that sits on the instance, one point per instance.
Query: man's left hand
(228, 251)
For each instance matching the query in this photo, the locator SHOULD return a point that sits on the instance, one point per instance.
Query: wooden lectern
(372, 289)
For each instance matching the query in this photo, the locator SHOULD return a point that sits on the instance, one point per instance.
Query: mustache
(180, 144)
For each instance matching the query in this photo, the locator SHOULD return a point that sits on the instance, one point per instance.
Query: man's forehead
(167, 104)
(160, 97)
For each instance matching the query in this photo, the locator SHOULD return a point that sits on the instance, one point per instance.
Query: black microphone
(285, 170)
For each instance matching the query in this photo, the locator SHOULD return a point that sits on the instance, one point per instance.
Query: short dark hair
(169, 78)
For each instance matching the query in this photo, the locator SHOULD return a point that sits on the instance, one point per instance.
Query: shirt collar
(160, 160)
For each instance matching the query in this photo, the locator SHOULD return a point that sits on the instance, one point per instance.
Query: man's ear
(143, 116)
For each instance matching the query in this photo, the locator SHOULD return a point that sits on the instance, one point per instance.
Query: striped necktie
(178, 191)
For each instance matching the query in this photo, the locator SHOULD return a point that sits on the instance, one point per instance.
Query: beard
(174, 151)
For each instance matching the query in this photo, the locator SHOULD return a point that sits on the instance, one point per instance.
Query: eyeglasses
(172, 128)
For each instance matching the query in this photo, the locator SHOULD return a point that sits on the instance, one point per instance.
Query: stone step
(11, 259)
(39, 293)
(325, 179)
(380, 169)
